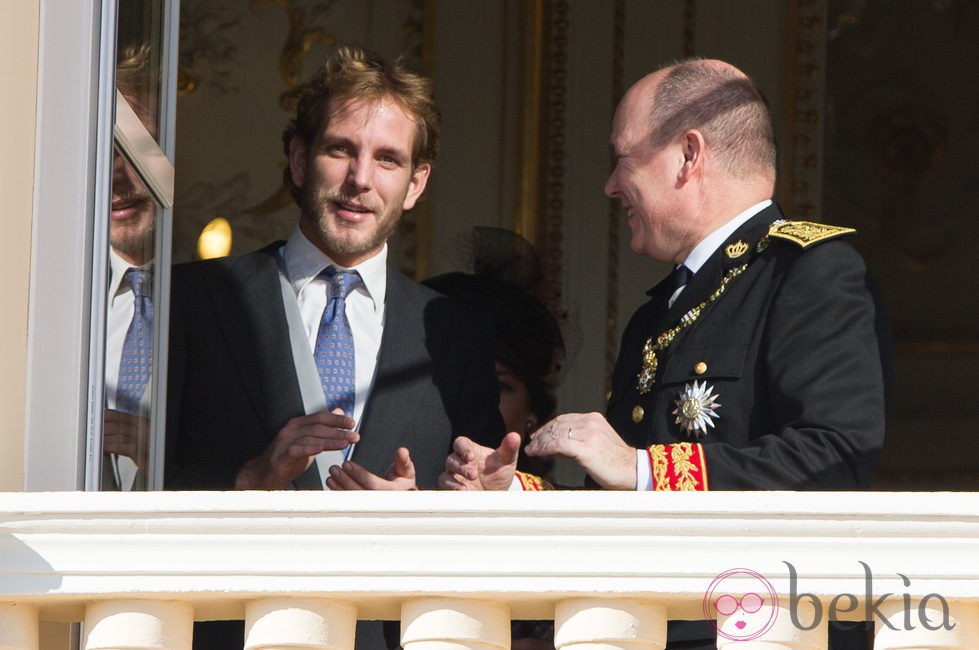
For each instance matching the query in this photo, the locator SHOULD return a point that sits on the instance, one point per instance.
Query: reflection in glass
(139, 83)
(129, 331)
(130, 313)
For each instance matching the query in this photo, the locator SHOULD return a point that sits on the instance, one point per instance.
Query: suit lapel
(248, 302)
(402, 357)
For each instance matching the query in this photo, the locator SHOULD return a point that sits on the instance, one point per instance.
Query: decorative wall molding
(802, 163)
(614, 209)
(551, 239)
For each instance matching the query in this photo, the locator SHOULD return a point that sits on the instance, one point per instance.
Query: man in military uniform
(762, 361)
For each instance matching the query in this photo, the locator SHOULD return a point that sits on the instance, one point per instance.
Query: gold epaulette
(806, 233)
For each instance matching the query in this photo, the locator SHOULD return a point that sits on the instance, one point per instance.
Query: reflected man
(129, 325)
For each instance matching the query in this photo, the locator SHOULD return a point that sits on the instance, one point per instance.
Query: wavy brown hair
(353, 73)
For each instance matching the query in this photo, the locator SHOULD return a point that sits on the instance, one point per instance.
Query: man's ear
(297, 160)
(419, 179)
(694, 149)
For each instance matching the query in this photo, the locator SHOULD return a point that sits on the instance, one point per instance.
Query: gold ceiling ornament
(302, 37)
(207, 55)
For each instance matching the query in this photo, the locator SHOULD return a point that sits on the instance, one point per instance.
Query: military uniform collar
(722, 236)
(728, 253)
(738, 246)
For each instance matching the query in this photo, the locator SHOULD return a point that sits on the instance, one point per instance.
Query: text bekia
(845, 603)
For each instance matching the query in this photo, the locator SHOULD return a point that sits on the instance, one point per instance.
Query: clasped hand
(295, 447)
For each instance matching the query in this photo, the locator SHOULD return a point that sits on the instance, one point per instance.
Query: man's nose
(611, 185)
(360, 174)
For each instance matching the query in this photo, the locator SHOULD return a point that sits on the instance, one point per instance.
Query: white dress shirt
(302, 263)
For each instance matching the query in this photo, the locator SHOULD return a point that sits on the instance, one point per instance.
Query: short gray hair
(725, 106)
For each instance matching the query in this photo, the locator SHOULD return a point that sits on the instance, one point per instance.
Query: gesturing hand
(353, 476)
(472, 466)
(293, 449)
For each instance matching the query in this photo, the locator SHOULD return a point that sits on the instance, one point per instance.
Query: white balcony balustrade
(770, 568)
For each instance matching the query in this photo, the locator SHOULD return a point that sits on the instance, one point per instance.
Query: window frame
(69, 247)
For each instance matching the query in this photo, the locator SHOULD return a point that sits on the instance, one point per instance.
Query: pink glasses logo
(741, 605)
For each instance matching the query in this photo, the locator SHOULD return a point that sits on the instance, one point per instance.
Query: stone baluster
(307, 624)
(18, 627)
(138, 625)
(928, 622)
(454, 624)
(774, 627)
(607, 624)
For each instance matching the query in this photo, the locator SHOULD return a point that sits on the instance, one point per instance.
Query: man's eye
(337, 148)
(505, 387)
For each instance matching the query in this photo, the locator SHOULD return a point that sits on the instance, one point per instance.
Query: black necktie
(678, 280)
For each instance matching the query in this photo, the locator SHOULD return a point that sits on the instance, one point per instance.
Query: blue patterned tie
(334, 351)
(137, 349)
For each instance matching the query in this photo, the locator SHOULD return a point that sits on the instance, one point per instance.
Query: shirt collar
(702, 251)
(117, 271)
(304, 261)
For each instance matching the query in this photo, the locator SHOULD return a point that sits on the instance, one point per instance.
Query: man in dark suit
(314, 363)
(762, 362)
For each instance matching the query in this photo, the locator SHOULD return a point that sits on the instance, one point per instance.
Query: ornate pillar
(606, 624)
(139, 625)
(927, 622)
(310, 624)
(18, 627)
(454, 624)
(773, 628)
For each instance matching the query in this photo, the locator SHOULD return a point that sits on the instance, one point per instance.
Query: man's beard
(135, 238)
(346, 239)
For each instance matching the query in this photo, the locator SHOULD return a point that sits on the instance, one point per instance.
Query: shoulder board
(806, 233)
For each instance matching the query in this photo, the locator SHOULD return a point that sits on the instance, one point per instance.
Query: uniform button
(638, 414)
(700, 368)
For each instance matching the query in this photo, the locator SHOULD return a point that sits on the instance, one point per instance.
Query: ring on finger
(569, 434)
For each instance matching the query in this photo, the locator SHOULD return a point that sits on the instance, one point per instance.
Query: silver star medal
(694, 409)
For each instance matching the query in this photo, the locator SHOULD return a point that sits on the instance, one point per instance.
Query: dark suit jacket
(797, 352)
(233, 385)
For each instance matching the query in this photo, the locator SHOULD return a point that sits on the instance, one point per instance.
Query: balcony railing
(610, 569)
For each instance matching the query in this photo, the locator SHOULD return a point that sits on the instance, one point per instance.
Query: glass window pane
(142, 193)
(130, 322)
